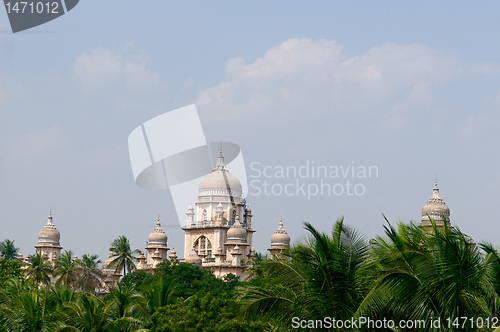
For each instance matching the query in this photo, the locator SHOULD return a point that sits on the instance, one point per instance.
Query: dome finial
(220, 160)
(436, 182)
(49, 219)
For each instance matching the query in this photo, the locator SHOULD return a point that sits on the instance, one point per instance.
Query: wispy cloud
(104, 68)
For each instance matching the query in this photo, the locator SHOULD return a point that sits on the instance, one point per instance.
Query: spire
(220, 160)
(435, 191)
(158, 226)
(49, 223)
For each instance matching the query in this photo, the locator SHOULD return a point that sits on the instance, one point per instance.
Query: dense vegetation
(407, 274)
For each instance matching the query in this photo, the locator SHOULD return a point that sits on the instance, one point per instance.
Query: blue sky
(412, 88)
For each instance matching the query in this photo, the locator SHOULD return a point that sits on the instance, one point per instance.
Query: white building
(218, 236)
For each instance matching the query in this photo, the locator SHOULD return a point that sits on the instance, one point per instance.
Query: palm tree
(418, 274)
(8, 250)
(90, 274)
(126, 310)
(313, 280)
(151, 297)
(66, 268)
(123, 256)
(492, 260)
(88, 314)
(24, 308)
(39, 269)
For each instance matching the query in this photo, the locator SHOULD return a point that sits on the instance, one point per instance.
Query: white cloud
(304, 76)
(102, 68)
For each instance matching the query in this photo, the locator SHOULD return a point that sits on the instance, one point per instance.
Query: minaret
(435, 209)
(190, 216)
(157, 244)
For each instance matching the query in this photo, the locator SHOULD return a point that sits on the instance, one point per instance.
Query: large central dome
(220, 181)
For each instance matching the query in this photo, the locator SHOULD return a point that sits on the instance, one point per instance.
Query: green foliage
(190, 279)
(409, 273)
(9, 269)
(25, 308)
(207, 313)
(416, 274)
(311, 281)
(137, 279)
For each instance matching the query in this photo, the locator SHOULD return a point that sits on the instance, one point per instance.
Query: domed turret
(280, 237)
(107, 263)
(279, 241)
(158, 236)
(435, 209)
(173, 254)
(48, 241)
(220, 180)
(193, 258)
(49, 234)
(236, 233)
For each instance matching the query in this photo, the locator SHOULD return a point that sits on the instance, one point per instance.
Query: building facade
(218, 231)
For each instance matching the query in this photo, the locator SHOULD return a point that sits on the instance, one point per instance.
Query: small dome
(193, 258)
(156, 254)
(173, 254)
(49, 234)
(158, 236)
(236, 232)
(435, 208)
(107, 262)
(220, 180)
(280, 237)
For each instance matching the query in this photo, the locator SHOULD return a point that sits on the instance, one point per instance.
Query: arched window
(204, 214)
(234, 215)
(203, 246)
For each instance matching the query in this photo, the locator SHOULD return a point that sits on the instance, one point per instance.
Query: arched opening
(203, 247)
